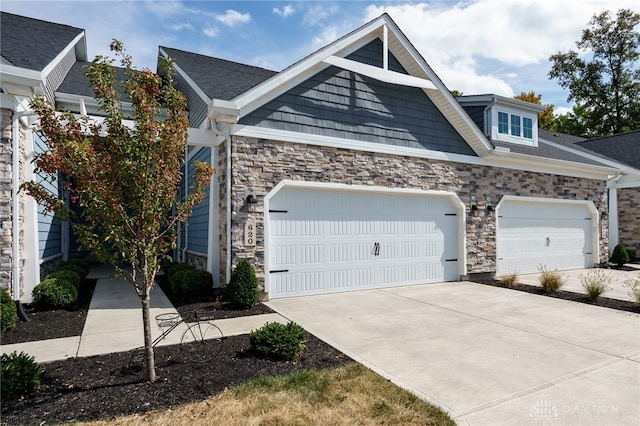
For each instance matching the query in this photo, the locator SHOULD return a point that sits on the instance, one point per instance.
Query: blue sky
(475, 46)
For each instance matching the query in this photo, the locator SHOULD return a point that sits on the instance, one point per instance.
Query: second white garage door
(323, 241)
(555, 234)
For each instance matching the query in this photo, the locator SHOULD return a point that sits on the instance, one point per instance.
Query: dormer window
(516, 127)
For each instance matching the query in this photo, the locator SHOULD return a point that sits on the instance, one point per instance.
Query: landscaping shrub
(242, 290)
(632, 255)
(279, 341)
(633, 288)
(510, 280)
(75, 268)
(177, 267)
(54, 293)
(551, 281)
(84, 264)
(67, 274)
(619, 256)
(8, 311)
(177, 280)
(20, 375)
(196, 283)
(596, 282)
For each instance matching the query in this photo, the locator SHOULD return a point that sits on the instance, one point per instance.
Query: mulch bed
(103, 387)
(622, 305)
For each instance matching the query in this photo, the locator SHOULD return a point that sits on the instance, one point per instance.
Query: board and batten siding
(49, 227)
(343, 104)
(198, 223)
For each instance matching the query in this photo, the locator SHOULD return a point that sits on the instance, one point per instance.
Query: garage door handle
(376, 249)
(278, 271)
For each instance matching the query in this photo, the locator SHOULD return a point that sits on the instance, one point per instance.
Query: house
(35, 58)
(356, 168)
(353, 168)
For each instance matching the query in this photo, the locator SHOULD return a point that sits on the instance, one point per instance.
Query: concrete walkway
(488, 355)
(114, 323)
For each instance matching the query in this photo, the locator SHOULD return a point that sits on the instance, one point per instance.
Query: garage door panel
(530, 234)
(334, 235)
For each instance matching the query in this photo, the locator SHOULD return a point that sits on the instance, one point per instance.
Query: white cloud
(319, 13)
(233, 17)
(210, 31)
(182, 26)
(285, 11)
(470, 43)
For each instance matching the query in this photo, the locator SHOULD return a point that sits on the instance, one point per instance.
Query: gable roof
(218, 78)
(624, 147)
(31, 43)
(76, 83)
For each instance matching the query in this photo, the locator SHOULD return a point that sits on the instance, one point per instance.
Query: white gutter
(613, 220)
(227, 136)
(183, 256)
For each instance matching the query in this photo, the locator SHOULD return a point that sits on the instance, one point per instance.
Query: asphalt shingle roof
(31, 43)
(75, 82)
(219, 78)
(546, 150)
(624, 147)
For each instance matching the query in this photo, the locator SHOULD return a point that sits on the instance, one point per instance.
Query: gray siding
(477, 115)
(199, 221)
(197, 107)
(49, 227)
(343, 104)
(58, 73)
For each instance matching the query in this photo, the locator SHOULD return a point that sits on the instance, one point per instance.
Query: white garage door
(530, 234)
(324, 241)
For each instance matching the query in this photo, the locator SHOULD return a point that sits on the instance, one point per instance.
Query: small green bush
(632, 255)
(67, 274)
(510, 280)
(8, 311)
(84, 264)
(20, 375)
(177, 267)
(596, 282)
(178, 280)
(242, 290)
(551, 281)
(279, 341)
(633, 288)
(54, 293)
(196, 283)
(619, 256)
(75, 268)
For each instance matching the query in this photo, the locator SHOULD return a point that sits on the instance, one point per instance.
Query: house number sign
(250, 233)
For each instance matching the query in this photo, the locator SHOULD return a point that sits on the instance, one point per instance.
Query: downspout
(487, 119)
(612, 221)
(183, 256)
(15, 142)
(227, 136)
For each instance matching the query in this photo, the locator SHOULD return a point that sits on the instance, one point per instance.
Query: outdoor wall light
(474, 203)
(489, 204)
(604, 214)
(251, 202)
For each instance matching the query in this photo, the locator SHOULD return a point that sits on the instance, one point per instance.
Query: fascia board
(625, 184)
(20, 76)
(188, 79)
(482, 146)
(506, 160)
(51, 65)
(302, 70)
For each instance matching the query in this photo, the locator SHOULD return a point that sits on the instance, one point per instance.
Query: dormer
(504, 119)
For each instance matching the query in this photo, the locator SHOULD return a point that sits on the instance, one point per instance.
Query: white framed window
(515, 126)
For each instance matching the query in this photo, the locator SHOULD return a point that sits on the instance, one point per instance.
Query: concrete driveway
(488, 355)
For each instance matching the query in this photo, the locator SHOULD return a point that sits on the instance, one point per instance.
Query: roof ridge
(216, 58)
(42, 20)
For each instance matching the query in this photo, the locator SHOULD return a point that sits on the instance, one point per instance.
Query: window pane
(527, 127)
(515, 125)
(503, 122)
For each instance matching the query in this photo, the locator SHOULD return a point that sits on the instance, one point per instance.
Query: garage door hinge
(451, 260)
(278, 271)
(278, 211)
(588, 253)
(587, 218)
(450, 214)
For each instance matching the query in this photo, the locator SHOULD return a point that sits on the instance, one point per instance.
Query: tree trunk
(150, 363)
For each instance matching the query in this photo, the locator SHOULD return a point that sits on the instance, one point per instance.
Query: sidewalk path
(114, 323)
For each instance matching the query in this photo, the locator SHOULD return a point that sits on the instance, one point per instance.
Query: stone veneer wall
(629, 218)
(6, 237)
(262, 164)
(6, 202)
(198, 262)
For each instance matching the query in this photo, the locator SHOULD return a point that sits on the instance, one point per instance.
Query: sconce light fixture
(604, 214)
(250, 200)
(489, 204)
(474, 203)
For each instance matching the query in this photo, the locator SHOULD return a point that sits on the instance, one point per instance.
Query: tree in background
(546, 119)
(606, 87)
(124, 178)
